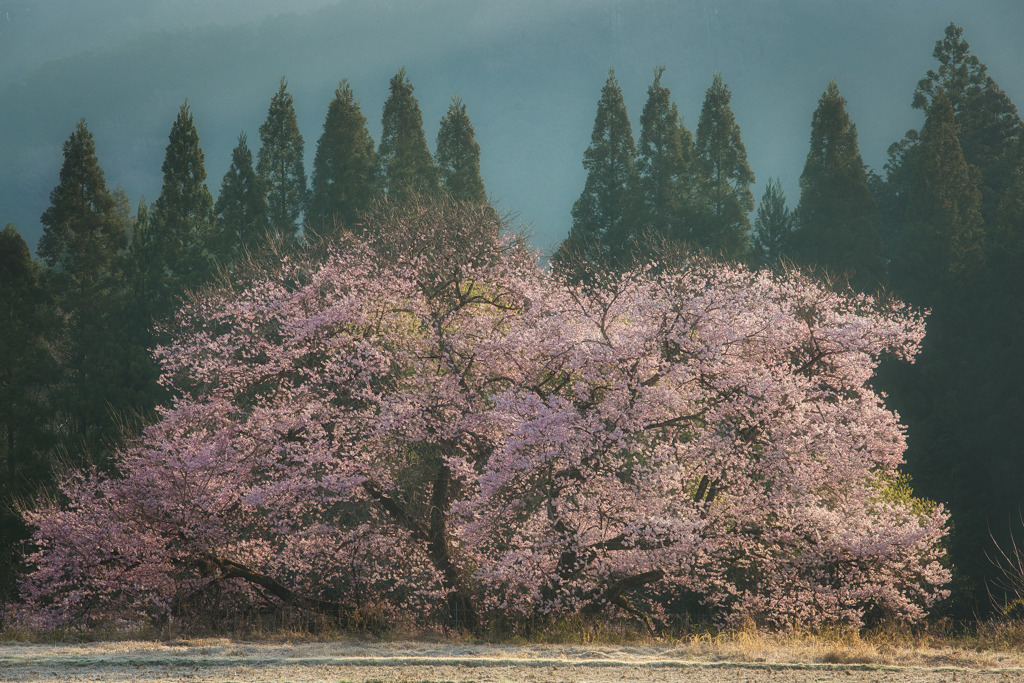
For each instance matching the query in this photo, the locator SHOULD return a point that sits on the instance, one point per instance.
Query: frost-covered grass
(989, 645)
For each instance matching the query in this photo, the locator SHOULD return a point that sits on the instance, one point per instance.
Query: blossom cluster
(468, 436)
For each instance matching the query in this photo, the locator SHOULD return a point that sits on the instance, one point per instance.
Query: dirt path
(221, 660)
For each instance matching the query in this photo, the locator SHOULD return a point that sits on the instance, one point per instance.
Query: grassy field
(572, 653)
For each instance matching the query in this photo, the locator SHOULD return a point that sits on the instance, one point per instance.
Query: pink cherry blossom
(409, 426)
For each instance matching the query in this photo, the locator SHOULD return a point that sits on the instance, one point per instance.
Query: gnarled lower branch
(612, 593)
(229, 569)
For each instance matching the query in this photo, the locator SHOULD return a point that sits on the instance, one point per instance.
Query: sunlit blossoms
(426, 422)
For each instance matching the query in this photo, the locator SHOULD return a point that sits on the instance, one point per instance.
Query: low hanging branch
(612, 594)
(230, 569)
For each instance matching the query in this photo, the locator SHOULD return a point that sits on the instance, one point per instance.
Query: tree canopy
(241, 211)
(721, 225)
(406, 163)
(458, 156)
(837, 219)
(428, 424)
(346, 175)
(665, 158)
(603, 218)
(280, 165)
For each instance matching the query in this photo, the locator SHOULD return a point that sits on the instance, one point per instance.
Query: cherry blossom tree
(425, 422)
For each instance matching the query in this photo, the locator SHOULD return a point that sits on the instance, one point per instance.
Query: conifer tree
(26, 365)
(773, 227)
(604, 217)
(346, 177)
(1008, 236)
(891, 192)
(722, 225)
(665, 156)
(83, 233)
(458, 156)
(280, 165)
(988, 125)
(174, 255)
(838, 218)
(241, 208)
(408, 168)
(26, 370)
(945, 187)
(949, 398)
(944, 238)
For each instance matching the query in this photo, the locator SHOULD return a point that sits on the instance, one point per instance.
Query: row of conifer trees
(76, 375)
(943, 228)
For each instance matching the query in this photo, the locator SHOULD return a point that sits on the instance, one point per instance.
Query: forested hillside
(88, 322)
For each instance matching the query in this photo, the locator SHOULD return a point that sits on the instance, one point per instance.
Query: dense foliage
(947, 235)
(430, 422)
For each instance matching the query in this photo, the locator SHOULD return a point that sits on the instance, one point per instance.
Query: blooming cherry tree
(425, 420)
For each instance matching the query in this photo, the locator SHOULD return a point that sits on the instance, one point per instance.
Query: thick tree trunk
(461, 610)
(435, 536)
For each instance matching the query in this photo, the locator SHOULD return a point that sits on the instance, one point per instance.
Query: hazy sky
(529, 71)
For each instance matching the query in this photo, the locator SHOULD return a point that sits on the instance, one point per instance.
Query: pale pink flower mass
(436, 435)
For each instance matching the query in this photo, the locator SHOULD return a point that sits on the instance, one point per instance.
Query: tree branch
(229, 569)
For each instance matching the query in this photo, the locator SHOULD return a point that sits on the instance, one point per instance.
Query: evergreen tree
(174, 256)
(458, 156)
(604, 217)
(773, 227)
(135, 256)
(346, 177)
(280, 165)
(949, 189)
(83, 233)
(1008, 235)
(838, 219)
(891, 192)
(406, 164)
(988, 125)
(26, 372)
(26, 365)
(143, 281)
(665, 156)
(944, 238)
(241, 208)
(722, 225)
(948, 397)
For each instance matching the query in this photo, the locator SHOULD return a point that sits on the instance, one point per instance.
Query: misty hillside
(529, 73)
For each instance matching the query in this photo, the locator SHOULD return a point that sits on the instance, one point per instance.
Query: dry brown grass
(987, 645)
(991, 645)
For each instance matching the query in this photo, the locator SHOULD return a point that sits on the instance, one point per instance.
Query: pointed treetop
(241, 209)
(959, 71)
(175, 253)
(605, 215)
(945, 240)
(407, 165)
(82, 231)
(988, 125)
(665, 152)
(773, 226)
(722, 224)
(280, 164)
(839, 221)
(346, 175)
(458, 156)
